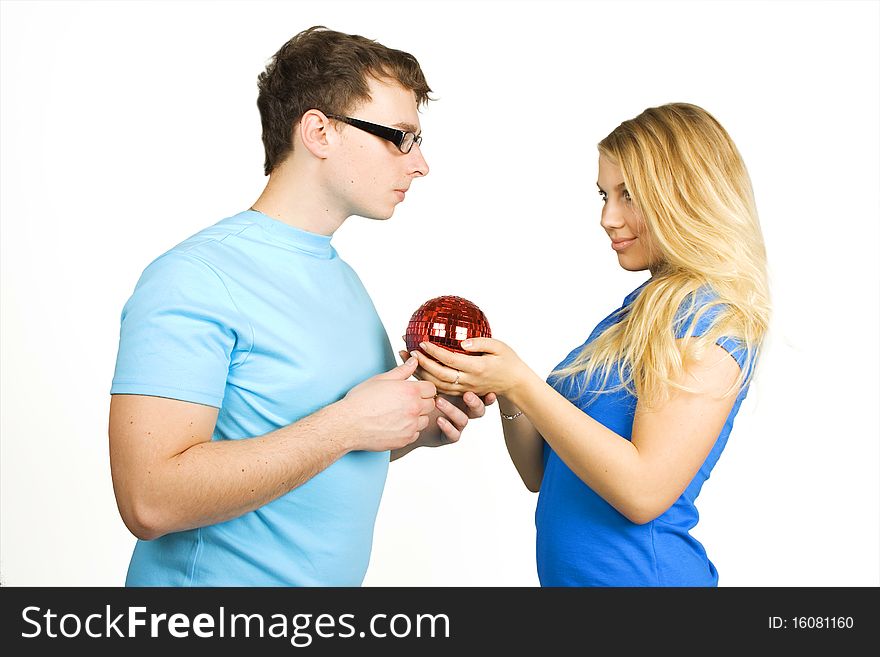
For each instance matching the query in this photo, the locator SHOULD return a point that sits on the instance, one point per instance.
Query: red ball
(446, 321)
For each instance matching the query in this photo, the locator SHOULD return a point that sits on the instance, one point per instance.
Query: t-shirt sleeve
(699, 313)
(177, 333)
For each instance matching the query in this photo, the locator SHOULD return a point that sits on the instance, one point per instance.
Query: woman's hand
(473, 405)
(499, 370)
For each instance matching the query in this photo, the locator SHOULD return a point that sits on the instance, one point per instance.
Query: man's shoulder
(210, 243)
(214, 237)
(200, 254)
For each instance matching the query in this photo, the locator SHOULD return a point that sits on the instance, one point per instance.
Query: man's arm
(168, 475)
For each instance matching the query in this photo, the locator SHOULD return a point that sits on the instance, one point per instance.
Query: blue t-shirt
(267, 323)
(584, 541)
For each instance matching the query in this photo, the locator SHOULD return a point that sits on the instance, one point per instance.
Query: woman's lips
(620, 245)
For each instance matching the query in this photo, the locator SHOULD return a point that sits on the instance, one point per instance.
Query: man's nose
(419, 163)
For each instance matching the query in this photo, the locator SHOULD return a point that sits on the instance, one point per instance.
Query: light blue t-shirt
(267, 323)
(584, 541)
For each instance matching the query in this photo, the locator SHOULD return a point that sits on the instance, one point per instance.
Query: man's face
(372, 175)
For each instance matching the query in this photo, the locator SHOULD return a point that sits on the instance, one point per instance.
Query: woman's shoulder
(698, 312)
(704, 311)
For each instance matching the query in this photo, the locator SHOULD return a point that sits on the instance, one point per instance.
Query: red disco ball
(446, 321)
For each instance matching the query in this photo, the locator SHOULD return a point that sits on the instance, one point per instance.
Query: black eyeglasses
(403, 139)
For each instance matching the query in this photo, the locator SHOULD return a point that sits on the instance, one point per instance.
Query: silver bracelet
(509, 417)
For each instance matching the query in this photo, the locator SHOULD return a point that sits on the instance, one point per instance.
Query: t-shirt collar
(302, 240)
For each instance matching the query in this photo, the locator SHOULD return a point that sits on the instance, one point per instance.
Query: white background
(128, 126)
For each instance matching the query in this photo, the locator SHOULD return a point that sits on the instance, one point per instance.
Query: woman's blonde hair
(690, 185)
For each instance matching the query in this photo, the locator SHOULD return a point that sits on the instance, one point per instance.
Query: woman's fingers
(453, 413)
(475, 404)
(482, 345)
(442, 373)
(445, 356)
(449, 430)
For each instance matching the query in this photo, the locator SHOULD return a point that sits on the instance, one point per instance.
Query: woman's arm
(640, 478)
(524, 444)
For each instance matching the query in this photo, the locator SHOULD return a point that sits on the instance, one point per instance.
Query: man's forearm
(215, 481)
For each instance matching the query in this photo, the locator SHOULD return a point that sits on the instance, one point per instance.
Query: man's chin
(378, 216)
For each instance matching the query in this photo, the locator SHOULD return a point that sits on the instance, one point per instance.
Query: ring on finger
(457, 376)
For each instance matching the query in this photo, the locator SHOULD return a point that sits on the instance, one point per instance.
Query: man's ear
(317, 133)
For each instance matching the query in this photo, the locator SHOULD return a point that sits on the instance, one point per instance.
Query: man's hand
(449, 419)
(390, 411)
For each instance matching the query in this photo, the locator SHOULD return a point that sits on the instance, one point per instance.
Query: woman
(626, 429)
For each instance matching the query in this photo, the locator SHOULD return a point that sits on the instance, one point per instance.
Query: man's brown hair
(326, 70)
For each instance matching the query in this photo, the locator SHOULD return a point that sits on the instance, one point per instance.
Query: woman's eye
(626, 196)
(603, 196)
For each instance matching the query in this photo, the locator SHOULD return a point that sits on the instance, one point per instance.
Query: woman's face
(622, 220)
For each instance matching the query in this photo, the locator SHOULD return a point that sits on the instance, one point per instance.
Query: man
(255, 404)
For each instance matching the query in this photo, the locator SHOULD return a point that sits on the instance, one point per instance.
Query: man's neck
(297, 199)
